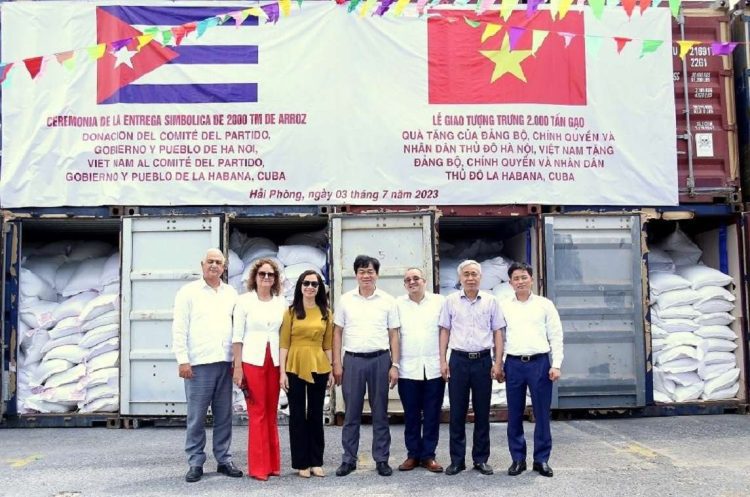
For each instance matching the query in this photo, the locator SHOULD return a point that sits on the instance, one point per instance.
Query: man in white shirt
(202, 341)
(534, 332)
(366, 327)
(420, 384)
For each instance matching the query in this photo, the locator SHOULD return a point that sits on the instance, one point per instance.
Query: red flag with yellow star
(464, 69)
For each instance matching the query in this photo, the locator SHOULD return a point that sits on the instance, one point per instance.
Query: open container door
(159, 255)
(399, 241)
(7, 343)
(593, 275)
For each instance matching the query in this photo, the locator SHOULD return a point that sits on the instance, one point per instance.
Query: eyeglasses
(263, 274)
(414, 279)
(313, 284)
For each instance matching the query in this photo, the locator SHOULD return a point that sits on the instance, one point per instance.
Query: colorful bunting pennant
(272, 12)
(400, 6)
(597, 7)
(33, 65)
(532, 6)
(723, 48)
(514, 34)
(472, 23)
(66, 59)
(484, 5)
(621, 42)
(490, 30)
(506, 8)
(685, 46)
(644, 4)
(650, 46)
(564, 8)
(568, 37)
(420, 6)
(4, 70)
(286, 7)
(367, 7)
(383, 7)
(537, 38)
(97, 51)
(628, 6)
(674, 6)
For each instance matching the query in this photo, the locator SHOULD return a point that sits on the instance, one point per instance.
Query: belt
(528, 358)
(472, 355)
(367, 355)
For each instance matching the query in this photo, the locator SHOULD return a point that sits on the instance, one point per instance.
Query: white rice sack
(45, 267)
(675, 325)
(67, 392)
(110, 271)
(726, 393)
(657, 331)
(661, 382)
(680, 365)
(33, 347)
(722, 381)
(111, 317)
(716, 331)
(31, 285)
(714, 305)
(666, 282)
(236, 240)
(503, 291)
(682, 338)
(257, 247)
(714, 292)
(68, 326)
(292, 272)
(100, 305)
(714, 318)
(102, 347)
(73, 306)
(673, 298)
(676, 312)
(105, 360)
(72, 353)
(106, 376)
(99, 391)
(691, 392)
(25, 302)
(64, 274)
(494, 272)
(47, 369)
(297, 254)
(34, 403)
(24, 334)
(699, 276)
(684, 379)
(707, 372)
(60, 247)
(72, 339)
(658, 344)
(718, 358)
(716, 345)
(674, 353)
(86, 277)
(89, 249)
(99, 334)
(312, 238)
(70, 375)
(660, 260)
(661, 397)
(111, 289)
(680, 247)
(104, 404)
(234, 264)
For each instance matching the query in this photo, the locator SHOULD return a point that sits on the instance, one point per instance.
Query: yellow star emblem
(507, 60)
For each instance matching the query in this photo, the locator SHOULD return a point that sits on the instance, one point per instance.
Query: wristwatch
(395, 365)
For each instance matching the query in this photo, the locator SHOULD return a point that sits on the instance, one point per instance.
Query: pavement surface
(674, 456)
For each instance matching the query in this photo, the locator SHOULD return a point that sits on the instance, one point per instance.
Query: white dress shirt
(366, 320)
(533, 327)
(420, 336)
(202, 323)
(256, 325)
(472, 323)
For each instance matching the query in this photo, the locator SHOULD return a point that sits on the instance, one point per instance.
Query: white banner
(327, 107)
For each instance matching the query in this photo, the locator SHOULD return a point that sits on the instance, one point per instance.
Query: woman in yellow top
(305, 360)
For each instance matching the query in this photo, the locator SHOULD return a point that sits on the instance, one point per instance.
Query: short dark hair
(362, 261)
(520, 266)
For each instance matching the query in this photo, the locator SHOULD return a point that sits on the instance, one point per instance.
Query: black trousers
(306, 440)
(470, 375)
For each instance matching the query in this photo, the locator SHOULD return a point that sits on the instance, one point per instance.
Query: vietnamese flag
(464, 70)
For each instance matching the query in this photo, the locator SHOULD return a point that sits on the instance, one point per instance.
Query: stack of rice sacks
(69, 328)
(298, 253)
(691, 342)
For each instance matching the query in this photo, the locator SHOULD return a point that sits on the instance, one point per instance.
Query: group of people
(371, 342)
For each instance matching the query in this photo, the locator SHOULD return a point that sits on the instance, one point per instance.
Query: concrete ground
(675, 456)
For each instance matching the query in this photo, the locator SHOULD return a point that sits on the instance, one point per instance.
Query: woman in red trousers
(257, 319)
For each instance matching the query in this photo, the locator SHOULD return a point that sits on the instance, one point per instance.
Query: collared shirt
(202, 325)
(534, 327)
(471, 322)
(366, 320)
(256, 326)
(420, 336)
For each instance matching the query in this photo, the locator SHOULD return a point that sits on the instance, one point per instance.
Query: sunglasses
(313, 284)
(264, 274)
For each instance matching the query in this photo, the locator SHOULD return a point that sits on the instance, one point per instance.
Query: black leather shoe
(483, 468)
(454, 469)
(383, 468)
(229, 469)
(194, 474)
(345, 469)
(517, 468)
(543, 469)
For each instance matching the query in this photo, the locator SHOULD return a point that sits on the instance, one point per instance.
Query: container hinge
(684, 136)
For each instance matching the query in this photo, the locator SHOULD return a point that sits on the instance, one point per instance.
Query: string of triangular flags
(271, 13)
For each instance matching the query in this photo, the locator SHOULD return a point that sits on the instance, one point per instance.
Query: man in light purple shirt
(471, 324)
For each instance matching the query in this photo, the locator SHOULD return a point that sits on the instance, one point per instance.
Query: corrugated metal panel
(709, 109)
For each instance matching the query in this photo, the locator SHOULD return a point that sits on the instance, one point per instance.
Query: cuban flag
(215, 67)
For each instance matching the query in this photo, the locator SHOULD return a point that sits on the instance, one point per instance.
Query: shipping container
(740, 29)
